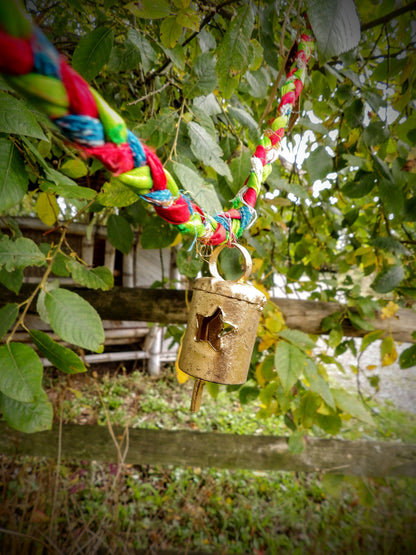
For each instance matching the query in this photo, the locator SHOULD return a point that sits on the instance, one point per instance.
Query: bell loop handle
(213, 259)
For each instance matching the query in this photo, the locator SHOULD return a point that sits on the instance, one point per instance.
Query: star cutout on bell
(212, 328)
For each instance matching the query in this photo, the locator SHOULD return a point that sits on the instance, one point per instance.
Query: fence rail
(208, 449)
(167, 306)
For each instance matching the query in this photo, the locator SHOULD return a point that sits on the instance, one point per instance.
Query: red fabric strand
(250, 196)
(178, 213)
(298, 87)
(116, 158)
(81, 101)
(261, 153)
(277, 136)
(233, 213)
(288, 98)
(156, 169)
(16, 56)
(219, 236)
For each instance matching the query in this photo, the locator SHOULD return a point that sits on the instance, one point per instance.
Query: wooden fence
(125, 309)
(209, 449)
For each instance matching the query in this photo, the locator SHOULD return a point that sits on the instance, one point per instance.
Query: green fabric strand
(47, 94)
(115, 128)
(13, 19)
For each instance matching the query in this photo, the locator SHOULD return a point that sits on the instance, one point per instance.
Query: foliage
(191, 79)
(76, 506)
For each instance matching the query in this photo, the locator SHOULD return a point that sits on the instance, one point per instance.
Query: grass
(90, 507)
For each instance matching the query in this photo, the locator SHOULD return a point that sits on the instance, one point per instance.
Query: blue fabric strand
(159, 198)
(83, 130)
(225, 222)
(246, 216)
(46, 58)
(139, 156)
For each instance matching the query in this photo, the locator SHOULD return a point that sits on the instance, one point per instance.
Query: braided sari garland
(34, 68)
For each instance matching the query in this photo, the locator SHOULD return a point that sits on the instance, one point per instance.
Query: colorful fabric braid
(33, 67)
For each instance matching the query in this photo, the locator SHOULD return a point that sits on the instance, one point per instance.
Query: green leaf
(47, 208)
(213, 389)
(375, 133)
(247, 394)
(203, 193)
(62, 358)
(409, 212)
(16, 119)
(31, 417)
(298, 338)
(13, 177)
(94, 278)
(408, 357)
(65, 187)
(351, 405)
(207, 150)
(335, 25)
(388, 279)
(391, 196)
(8, 315)
(240, 168)
(208, 104)
(188, 261)
(170, 31)
(370, 338)
(160, 129)
(115, 193)
(362, 185)
(290, 363)
(176, 55)
(189, 19)
(335, 336)
(258, 82)
(388, 351)
(390, 244)
(317, 383)
(309, 404)
(157, 234)
(119, 233)
(12, 280)
(234, 50)
(73, 319)
(150, 9)
(21, 372)
(19, 253)
(203, 78)
(329, 423)
(245, 119)
(147, 53)
(93, 52)
(319, 164)
(358, 322)
(283, 184)
(74, 168)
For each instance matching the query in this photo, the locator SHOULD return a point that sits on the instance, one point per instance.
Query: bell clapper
(197, 394)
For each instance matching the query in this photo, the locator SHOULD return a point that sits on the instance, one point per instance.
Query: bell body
(221, 330)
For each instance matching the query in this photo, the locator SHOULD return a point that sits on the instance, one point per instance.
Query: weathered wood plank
(189, 448)
(167, 306)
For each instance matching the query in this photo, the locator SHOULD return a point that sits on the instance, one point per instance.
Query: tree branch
(389, 16)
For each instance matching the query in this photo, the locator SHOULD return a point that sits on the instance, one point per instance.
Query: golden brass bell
(221, 329)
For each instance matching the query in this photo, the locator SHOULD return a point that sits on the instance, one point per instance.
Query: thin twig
(388, 17)
(40, 286)
(58, 465)
(175, 141)
(146, 96)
